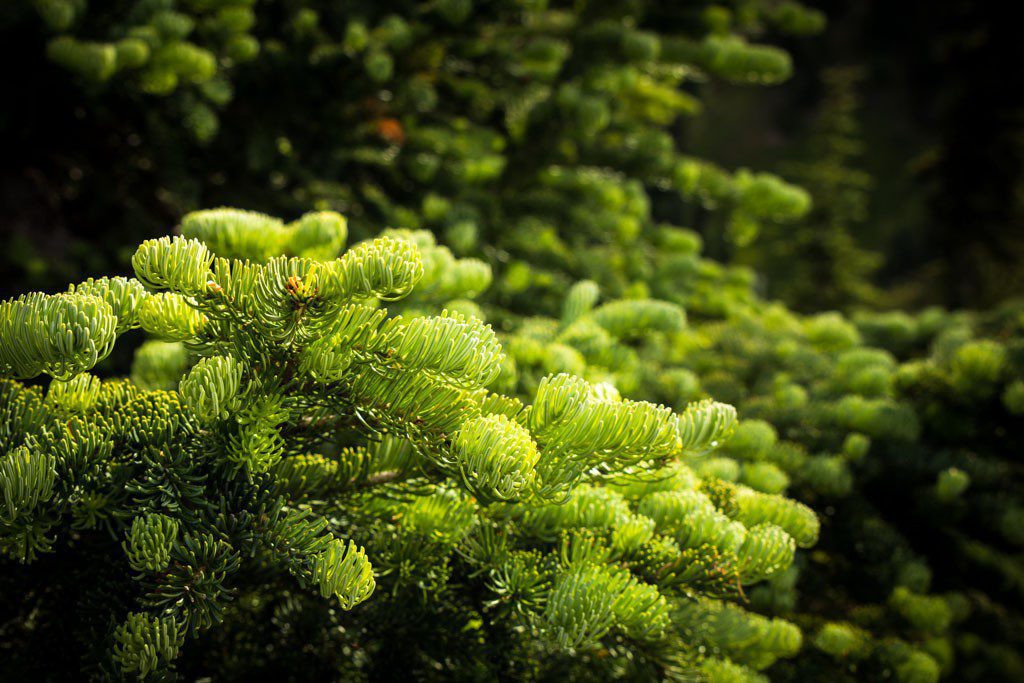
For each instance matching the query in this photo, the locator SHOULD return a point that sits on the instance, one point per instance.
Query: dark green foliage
(818, 264)
(327, 466)
(531, 128)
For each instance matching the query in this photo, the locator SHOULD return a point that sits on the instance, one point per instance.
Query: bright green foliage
(150, 541)
(866, 437)
(144, 644)
(496, 457)
(517, 498)
(62, 334)
(843, 640)
(211, 388)
(749, 640)
(258, 237)
(344, 572)
(299, 443)
(26, 480)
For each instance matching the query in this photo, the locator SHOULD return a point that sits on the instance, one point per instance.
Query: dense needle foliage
(318, 452)
(495, 440)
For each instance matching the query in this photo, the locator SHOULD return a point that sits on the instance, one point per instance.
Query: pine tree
(906, 461)
(325, 467)
(297, 442)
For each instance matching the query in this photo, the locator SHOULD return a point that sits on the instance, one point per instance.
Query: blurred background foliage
(904, 125)
(935, 128)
